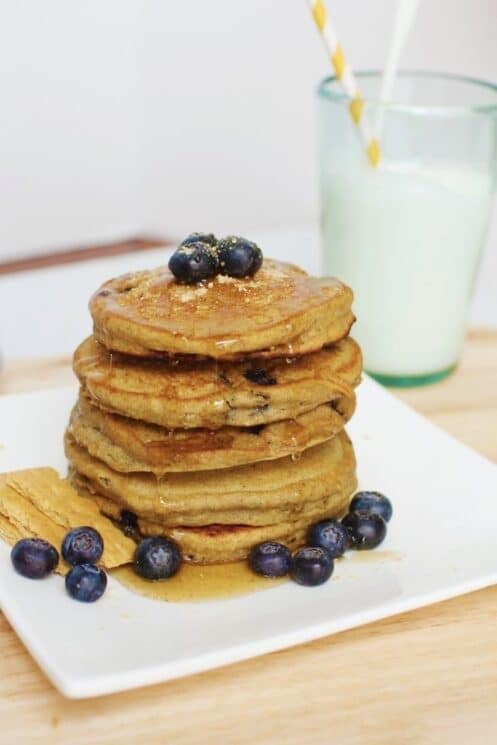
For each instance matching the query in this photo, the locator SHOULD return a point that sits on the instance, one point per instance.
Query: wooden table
(429, 676)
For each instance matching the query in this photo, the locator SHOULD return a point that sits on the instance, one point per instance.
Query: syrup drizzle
(196, 583)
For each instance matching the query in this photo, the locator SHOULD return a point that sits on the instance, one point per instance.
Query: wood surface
(80, 253)
(429, 676)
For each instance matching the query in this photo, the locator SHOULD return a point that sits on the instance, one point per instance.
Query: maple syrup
(195, 583)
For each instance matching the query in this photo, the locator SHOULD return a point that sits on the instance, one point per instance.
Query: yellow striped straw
(344, 75)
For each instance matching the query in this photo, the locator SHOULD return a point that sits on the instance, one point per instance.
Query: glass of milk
(407, 236)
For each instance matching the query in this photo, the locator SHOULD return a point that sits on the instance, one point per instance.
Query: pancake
(279, 311)
(211, 394)
(257, 494)
(128, 445)
(217, 544)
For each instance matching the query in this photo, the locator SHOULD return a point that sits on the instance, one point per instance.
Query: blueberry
(129, 524)
(86, 583)
(209, 238)
(157, 558)
(238, 257)
(259, 376)
(330, 535)
(372, 501)
(34, 557)
(312, 566)
(270, 559)
(82, 545)
(194, 262)
(256, 429)
(366, 529)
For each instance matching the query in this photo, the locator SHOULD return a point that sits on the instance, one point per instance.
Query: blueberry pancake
(129, 445)
(218, 543)
(280, 311)
(214, 395)
(210, 394)
(261, 493)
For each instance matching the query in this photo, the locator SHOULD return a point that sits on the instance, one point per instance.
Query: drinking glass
(407, 236)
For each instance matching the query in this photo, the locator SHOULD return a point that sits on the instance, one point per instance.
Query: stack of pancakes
(215, 412)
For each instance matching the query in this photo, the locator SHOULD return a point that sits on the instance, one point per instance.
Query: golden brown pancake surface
(217, 543)
(256, 494)
(129, 445)
(211, 394)
(279, 311)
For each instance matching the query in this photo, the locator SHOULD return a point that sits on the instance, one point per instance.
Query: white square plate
(442, 535)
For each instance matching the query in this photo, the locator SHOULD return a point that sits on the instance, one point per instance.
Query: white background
(161, 116)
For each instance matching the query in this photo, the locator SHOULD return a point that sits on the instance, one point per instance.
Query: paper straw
(344, 74)
(406, 10)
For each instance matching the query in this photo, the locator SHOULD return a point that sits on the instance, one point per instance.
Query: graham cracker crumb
(223, 279)
(189, 295)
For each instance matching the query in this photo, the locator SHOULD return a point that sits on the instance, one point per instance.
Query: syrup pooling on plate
(195, 584)
(199, 583)
(378, 555)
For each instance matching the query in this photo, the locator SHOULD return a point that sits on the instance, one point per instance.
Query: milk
(407, 238)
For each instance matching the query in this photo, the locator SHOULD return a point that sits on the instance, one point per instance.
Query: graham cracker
(37, 502)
